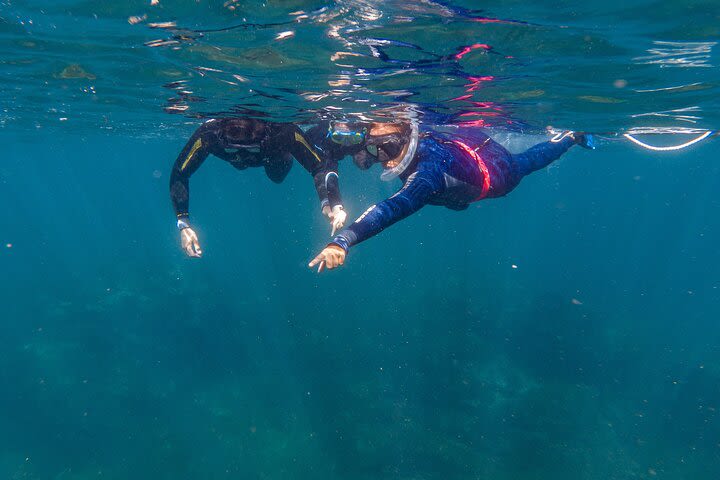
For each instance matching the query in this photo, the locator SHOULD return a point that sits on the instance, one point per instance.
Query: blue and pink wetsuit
(452, 171)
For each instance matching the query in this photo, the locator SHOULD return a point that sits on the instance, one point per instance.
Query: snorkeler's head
(394, 145)
(386, 141)
(391, 144)
(242, 133)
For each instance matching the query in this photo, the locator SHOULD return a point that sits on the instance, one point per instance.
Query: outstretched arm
(415, 194)
(191, 157)
(322, 163)
(543, 154)
(289, 137)
(332, 206)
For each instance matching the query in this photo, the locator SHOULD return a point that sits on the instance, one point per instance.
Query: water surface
(567, 331)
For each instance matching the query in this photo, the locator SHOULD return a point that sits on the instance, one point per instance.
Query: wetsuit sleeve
(191, 157)
(318, 163)
(412, 197)
(330, 183)
(331, 178)
(542, 155)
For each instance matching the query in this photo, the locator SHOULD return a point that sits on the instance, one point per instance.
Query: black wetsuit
(246, 142)
(331, 153)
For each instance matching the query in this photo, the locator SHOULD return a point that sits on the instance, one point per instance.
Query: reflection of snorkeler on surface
(246, 142)
(438, 169)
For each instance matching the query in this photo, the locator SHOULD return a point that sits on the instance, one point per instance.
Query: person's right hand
(338, 219)
(332, 256)
(190, 243)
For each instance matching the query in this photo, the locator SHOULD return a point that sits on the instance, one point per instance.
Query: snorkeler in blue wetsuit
(438, 169)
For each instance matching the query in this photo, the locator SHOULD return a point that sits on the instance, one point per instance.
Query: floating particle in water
(8, 245)
(154, 2)
(157, 174)
(652, 472)
(575, 301)
(514, 266)
(620, 83)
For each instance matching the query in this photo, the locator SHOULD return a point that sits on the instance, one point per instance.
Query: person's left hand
(339, 215)
(331, 257)
(190, 242)
(327, 211)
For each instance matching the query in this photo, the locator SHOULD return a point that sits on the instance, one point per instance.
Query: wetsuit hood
(242, 134)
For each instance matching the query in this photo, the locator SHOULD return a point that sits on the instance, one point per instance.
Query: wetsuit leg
(541, 155)
(278, 168)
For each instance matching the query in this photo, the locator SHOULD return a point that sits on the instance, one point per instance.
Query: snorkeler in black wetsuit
(438, 169)
(247, 142)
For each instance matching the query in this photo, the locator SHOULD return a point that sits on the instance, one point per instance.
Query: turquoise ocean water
(566, 331)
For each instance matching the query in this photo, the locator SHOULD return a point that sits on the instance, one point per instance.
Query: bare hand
(331, 257)
(327, 211)
(339, 215)
(190, 243)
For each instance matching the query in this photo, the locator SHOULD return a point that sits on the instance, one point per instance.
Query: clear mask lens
(347, 137)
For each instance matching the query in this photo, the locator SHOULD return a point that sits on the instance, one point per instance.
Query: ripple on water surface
(138, 66)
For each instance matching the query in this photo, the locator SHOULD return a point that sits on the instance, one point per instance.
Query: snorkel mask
(388, 148)
(346, 136)
(404, 162)
(243, 135)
